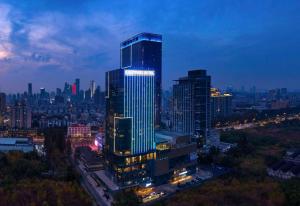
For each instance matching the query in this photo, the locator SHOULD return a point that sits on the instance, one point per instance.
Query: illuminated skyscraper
(92, 88)
(144, 51)
(74, 89)
(130, 140)
(191, 105)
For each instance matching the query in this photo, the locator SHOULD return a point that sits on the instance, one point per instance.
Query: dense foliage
(248, 184)
(126, 198)
(28, 179)
(43, 192)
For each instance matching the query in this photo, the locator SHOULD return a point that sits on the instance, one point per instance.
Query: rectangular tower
(144, 52)
(29, 89)
(191, 105)
(130, 141)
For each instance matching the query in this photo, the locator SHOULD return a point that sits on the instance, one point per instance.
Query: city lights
(139, 72)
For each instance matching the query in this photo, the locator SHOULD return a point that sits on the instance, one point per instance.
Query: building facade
(2, 102)
(191, 105)
(221, 104)
(144, 52)
(23, 144)
(129, 139)
(176, 157)
(21, 116)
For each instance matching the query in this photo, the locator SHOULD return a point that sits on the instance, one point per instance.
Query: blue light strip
(140, 39)
(139, 105)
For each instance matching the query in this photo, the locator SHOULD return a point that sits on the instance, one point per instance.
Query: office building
(2, 102)
(92, 88)
(20, 116)
(144, 51)
(29, 89)
(221, 104)
(129, 140)
(77, 83)
(74, 89)
(191, 105)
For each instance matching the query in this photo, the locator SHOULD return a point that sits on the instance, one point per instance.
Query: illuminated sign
(183, 173)
(139, 73)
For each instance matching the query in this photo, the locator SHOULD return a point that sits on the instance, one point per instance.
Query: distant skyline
(240, 43)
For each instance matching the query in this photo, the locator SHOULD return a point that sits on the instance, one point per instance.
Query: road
(87, 183)
(278, 119)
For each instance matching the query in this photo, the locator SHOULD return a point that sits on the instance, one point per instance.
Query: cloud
(53, 39)
(81, 39)
(5, 31)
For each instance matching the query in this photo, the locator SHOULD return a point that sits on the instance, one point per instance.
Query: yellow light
(185, 178)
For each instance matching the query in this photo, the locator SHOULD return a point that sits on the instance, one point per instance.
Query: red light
(74, 89)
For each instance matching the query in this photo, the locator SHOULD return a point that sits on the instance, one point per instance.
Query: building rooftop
(168, 136)
(142, 37)
(15, 140)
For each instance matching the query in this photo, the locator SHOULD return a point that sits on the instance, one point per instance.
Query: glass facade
(191, 104)
(130, 142)
(144, 51)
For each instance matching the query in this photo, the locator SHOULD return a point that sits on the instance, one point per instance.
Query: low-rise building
(23, 144)
(176, 157)
(287, 168)
(80, 135)
(90, 159)
(221, 104)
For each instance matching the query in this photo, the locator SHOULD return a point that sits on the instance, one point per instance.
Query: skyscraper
(77, 83)
(29, 89)
(144, 52)
(191, 105)
(92, 88)
(2, 102)
(74, 89)
(130, 141)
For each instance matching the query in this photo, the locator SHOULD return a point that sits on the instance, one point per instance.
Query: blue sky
(239, 42)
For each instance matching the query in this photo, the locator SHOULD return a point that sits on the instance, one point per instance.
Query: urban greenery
(248, 184)
(30, 179)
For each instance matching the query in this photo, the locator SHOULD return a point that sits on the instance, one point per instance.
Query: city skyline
(239, 44)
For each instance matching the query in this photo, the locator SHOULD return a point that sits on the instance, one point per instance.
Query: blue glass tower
(130, 141)
(144, 51)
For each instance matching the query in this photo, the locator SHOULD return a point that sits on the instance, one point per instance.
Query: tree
(291, 190)
(125, 198)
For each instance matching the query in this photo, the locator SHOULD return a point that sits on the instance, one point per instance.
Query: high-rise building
(29, 89)
(92, 88)
(74, 89)
(21, 116)
(43, 92)
(144, 52)
(77, 83)
(221, 104)
(99, 97)
(2, 102)
(67, 88)
(191, 105)
(130, 140)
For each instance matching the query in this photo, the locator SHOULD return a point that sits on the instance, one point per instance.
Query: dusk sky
(239, 42)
